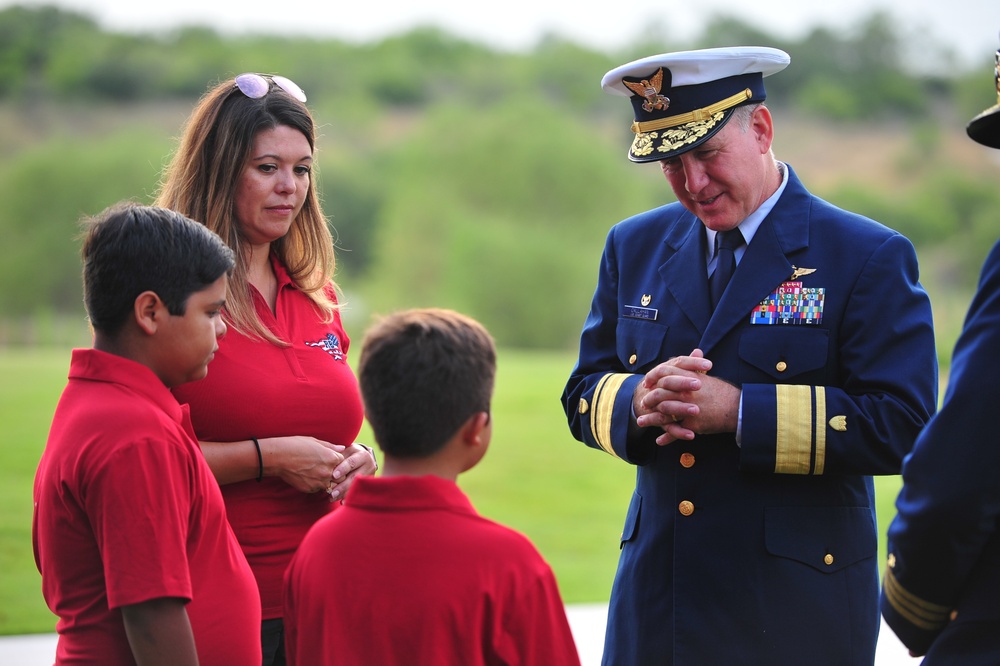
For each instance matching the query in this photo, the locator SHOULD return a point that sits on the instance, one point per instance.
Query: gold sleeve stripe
(922, 614)
(800, 434)
(820, 421)
(603, 406)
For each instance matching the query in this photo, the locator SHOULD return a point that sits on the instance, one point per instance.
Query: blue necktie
(726, 243)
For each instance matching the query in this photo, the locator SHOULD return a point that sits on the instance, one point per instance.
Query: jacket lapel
(685, 272)
(765, 264)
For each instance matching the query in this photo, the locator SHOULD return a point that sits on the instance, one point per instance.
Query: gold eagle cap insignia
(649, 89)
(646, 298)
(839, 423)
(799, 272)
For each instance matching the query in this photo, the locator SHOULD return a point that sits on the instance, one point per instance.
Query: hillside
(886, 156)
(438, 205)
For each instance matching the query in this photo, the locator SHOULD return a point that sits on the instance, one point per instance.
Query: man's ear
(762, 125)
(149, 311)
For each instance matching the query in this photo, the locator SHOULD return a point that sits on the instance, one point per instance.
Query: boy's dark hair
(423, 373)
(129, 248)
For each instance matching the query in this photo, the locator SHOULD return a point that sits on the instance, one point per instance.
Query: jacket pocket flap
(784, 351)
(827, 538)
(639, 342)
(632, 517)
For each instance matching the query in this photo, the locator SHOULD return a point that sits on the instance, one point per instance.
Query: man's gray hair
(741, 116)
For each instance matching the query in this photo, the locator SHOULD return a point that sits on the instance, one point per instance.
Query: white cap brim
(700, 66)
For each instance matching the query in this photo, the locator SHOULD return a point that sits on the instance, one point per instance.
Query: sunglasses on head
(256, 86)
(996, 72)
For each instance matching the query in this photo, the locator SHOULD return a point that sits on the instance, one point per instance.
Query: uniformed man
(942, 584)
(755, 408)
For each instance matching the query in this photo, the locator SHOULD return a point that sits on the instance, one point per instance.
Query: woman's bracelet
(260, 459)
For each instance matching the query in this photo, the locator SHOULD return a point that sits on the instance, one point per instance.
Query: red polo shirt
(441, 585)
(257, 389)
(126, 511)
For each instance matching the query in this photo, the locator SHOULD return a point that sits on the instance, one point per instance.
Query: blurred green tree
(453, 173)
(503, 214)
(44, 195)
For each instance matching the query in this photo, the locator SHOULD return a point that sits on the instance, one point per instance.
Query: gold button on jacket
(686, 508)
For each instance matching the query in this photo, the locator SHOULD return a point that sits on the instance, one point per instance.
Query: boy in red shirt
(130, 531)
(446, 586)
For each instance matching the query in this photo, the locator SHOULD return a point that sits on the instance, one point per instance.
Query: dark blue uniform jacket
(763, 553)
(941, 589)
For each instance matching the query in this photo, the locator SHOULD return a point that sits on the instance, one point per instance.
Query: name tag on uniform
(636, 312)
(791, 304)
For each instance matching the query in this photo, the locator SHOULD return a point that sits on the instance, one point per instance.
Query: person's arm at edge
(159, 632)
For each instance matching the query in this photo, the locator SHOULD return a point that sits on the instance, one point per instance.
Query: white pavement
(586, 620)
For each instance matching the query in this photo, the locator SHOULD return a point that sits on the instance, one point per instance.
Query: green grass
(569, 499)
(30, 383)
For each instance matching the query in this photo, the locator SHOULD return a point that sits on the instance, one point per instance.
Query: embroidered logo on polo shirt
(331, 345)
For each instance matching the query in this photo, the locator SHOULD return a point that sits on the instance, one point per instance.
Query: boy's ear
(149, 311)
(475, 439)
(476, 431)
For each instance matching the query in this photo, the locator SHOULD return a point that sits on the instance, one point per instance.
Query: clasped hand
(681, 398)
(314, 465)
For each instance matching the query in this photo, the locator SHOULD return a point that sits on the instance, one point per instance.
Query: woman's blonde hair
(201, 183)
